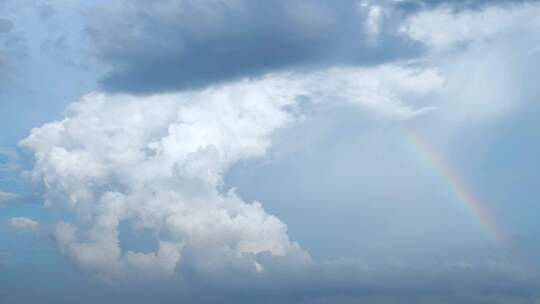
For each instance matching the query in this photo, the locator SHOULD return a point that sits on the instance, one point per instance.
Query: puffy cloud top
(157, 164)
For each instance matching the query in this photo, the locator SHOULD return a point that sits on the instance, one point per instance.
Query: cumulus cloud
(24, 223)
(157, 163)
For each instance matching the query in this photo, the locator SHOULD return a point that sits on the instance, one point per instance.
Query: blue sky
(233, 151)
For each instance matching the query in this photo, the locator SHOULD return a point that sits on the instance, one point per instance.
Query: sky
(287, 151)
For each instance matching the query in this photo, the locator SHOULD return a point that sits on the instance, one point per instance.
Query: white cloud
(486, 57)
(444, 27)
(24, 223)
(157, 162)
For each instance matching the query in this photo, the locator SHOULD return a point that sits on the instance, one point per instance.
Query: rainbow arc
(456, 183)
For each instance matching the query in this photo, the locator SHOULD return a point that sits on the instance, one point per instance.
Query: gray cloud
(177, 45)
(174, 45)
(337, 281)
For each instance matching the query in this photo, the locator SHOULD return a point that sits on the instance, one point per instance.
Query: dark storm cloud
(172, 45)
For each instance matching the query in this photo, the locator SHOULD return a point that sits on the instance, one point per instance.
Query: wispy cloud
(24, 223)
(7, 197)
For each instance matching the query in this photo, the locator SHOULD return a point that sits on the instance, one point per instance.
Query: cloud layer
(175, 45)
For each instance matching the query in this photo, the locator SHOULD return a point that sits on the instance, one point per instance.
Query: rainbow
(457, 184)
